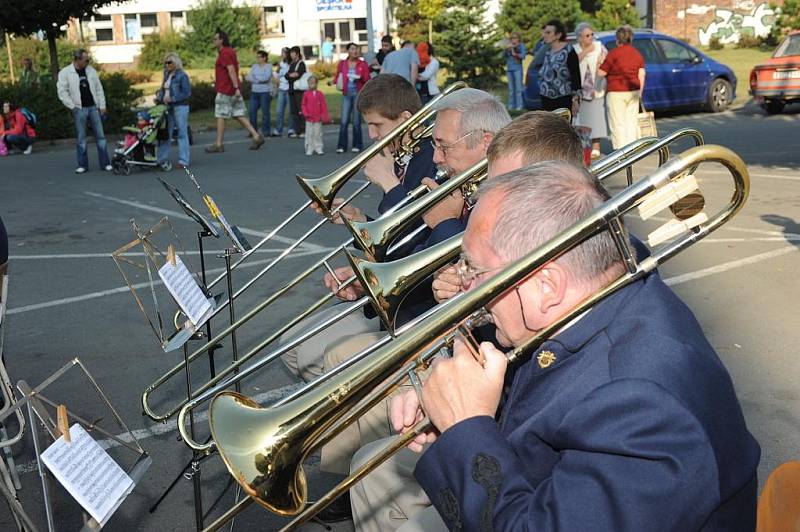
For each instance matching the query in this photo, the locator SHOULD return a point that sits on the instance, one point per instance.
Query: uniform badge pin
(546, 359)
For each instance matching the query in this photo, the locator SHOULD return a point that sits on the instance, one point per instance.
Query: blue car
(678, 75)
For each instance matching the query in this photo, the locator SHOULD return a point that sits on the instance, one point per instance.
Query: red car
(777, 82)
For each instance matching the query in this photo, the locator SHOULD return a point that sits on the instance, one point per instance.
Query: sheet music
(184, 288)
(88, 473)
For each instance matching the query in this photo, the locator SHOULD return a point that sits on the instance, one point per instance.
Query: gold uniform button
(546, 359)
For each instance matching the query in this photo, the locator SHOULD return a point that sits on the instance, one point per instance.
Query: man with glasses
(623, 420)
(80, 90)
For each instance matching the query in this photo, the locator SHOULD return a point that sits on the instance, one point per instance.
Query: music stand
(153, 243)
(41, 407)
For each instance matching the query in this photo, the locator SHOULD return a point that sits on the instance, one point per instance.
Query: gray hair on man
(480, 111)
(541, 200)
(175, 58)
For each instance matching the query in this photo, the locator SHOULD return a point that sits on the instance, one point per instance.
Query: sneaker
(309, 154)
(292, 135)
(355, 150)
(80, 170)
(276, 133)
(301, 136)
(215, 148)
(181, 166)
(108, 168)
(28, 150)
(257, 142)
(320, 152)
(339, 150)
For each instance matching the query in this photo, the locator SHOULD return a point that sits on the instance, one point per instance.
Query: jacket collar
(580, 332)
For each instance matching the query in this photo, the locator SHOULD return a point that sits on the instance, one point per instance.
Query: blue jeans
(177, 115)
(283, 104)
(348, 107)
(260, 100)
(515, 89)
(81, 115)
(21, 142)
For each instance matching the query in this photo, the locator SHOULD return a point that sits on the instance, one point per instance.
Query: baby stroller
(141, 141)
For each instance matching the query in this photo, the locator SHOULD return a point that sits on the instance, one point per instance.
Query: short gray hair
(541, 200)
(580, 27)
(175, 58)
(480, 111)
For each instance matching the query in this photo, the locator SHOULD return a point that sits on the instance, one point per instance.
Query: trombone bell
(256, 453)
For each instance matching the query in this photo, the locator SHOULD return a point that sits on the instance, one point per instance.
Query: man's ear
(486, 139)
(552, 281)
(405, 115)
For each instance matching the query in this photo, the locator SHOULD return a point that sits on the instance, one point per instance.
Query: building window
(98, 29)
(177, 20)
(342, 32)
(273, 20)
(104, 34)
(148, 20)
(132, 32)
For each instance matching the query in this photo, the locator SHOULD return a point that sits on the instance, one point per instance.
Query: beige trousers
(622, 110)
(305, 360)
(313, 140)
(389, 498)
(335, 457)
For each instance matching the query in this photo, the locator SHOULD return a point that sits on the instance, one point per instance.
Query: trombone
(382, 282)
(264, 448)
(323, 190)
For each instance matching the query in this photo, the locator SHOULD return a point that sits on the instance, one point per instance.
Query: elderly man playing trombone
(466, 122)
(625, 419)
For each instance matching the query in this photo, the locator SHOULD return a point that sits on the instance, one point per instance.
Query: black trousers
(296, 106)
(551, 104)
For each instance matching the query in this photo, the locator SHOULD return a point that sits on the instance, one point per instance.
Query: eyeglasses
(438, 145)
(588, 35)
(167, 62)
(467, 274)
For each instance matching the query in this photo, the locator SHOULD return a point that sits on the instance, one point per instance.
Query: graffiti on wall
(728, 25)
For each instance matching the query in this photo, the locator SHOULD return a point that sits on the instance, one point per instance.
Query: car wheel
(774, 107)
(719, 95)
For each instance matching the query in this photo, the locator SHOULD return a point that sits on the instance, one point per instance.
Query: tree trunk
(51, 45)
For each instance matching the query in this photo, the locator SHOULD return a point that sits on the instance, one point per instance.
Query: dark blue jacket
(180, 88)
(635, 427)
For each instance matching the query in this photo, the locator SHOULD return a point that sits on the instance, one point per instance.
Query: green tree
(787, 19)
(615, 13)
(411, 24)
(467, 44)
(240, 23)
(528, 16)
(156, 46)
(48, 16)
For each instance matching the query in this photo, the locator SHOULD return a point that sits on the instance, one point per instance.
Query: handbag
(646, 122)
(302, 82)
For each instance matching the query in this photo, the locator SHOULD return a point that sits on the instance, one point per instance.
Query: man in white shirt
(80, 90)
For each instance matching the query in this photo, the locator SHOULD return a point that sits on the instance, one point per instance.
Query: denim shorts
(228, 106)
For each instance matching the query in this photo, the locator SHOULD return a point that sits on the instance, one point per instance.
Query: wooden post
(10, 58)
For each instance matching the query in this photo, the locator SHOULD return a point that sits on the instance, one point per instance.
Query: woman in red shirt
(624, 70)
(16, 131)
(351, 75)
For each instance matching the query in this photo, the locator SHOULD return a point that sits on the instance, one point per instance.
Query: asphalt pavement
(68, 298)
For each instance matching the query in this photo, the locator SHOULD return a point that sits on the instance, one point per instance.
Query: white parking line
(182, 216)
(726, 266)
(132, 254)
(122, 289)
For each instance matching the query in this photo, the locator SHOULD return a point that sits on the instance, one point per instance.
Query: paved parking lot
(68, 299)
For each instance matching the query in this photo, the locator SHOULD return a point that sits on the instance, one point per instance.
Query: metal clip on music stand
(37, 404)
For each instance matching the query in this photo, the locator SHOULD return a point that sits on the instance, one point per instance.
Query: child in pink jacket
(315, 111)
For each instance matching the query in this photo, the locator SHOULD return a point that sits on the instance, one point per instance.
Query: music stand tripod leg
(42, 470)
(200, 236)
(228, 253)
(195, 464)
